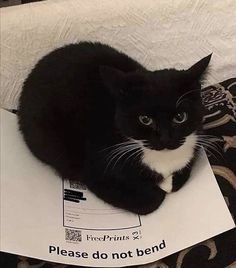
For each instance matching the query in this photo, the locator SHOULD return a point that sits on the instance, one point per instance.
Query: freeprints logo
(103, 238)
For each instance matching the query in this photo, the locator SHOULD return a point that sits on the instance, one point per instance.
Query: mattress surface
(159, 34)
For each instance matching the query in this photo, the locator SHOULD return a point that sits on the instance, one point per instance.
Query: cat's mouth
(160, 147)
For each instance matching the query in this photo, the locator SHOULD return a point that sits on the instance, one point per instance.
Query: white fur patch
(166, 185)
(167, 161)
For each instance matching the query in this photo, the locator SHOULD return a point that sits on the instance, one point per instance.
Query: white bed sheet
(159, 34)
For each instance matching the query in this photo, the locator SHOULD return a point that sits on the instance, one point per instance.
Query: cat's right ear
(113, 79)
(198, 70)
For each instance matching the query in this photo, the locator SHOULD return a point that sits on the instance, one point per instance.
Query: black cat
(98, 116)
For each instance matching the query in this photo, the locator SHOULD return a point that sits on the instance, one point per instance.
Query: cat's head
(162, 107)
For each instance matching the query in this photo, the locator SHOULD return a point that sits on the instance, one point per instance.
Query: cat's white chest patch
(166, 161)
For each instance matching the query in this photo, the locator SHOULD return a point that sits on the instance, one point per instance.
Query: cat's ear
(113, 79)
(198, 70)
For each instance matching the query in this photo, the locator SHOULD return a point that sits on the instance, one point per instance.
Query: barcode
(73, 235)
(77, 185)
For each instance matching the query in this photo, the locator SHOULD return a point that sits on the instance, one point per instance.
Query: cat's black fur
(83, 98)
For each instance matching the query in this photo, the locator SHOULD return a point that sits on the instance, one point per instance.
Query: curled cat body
(130, 135)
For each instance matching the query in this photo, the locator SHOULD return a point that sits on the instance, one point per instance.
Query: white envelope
(44, 217)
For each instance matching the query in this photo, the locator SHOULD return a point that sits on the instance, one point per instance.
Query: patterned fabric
(220, 251)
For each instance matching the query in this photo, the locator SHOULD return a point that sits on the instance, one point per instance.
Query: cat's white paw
(166, 184)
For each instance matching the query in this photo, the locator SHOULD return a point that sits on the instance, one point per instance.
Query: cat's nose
(164, 136)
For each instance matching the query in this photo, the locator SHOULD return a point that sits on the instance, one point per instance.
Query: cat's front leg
(176, 180)
(181, 177)
(167, 184)
(140, 199)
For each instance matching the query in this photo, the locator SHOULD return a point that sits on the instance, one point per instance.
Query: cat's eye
(145, 120)
(180, 118)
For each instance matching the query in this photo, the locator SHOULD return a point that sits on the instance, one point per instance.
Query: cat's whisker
(135, 153)
(211, 138)
(135, 140)
(120, 149)
(129, 142)
(210, 153)
(110, 154)
(117, 145)
(210, 149)
(144, 144)
(204, 142)
(139, 154)
(121, 146)
(206, 150)
(182, 141)
(215, 140)
(218, 150)
(208, 140)
(123, 154)
(206, 135)
(119, 154)
(211, 143)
